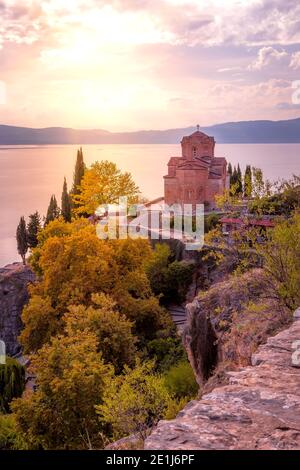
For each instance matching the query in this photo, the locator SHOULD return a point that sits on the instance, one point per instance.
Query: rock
(14, 280)
(259, 408)
(297, 314)
(226, 323)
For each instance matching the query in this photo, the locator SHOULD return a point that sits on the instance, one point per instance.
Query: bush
(166, 351)
(210, 222)
(10, 438)
(12, 383)
(169, 279)
(180, 380)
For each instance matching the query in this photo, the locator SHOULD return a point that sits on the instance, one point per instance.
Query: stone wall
(14, 280)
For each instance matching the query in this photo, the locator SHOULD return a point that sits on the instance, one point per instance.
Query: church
(197, 176)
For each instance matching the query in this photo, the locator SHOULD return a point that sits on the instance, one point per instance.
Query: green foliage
(78, 172)
(281, 255)
(12, 383)
(284, 202)
(71, 377)
(211, 221)
(65, 203)
(22, 242)
(53, 210)
(33, 229)
(166, 351)
(168, 279)
(180, 380)
(134, 402)
(10, 437)
(248, 182)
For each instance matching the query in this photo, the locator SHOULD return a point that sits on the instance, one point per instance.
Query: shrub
(10, 437)
(180, 380)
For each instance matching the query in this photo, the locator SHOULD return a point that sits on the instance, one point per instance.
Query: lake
(29, 175)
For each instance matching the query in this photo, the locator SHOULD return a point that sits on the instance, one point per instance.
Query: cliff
(258, 409)
(14, 280)
(226, 324)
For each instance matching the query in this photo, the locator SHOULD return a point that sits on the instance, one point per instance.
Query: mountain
(249, 132)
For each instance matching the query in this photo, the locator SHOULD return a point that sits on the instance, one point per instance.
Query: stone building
(197, 176)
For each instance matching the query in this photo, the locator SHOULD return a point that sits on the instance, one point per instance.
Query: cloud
(269, 56)
(295, 61)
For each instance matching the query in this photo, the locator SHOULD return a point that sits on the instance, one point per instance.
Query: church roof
(198, 134)
(193, 165)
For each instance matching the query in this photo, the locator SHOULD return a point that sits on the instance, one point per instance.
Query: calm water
(29, 175)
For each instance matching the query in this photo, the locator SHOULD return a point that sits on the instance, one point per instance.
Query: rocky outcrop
(225, 324)
(258, 409)
(14, 280)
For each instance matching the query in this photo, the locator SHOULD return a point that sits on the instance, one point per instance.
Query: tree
(33, 228)
(12, 383)
(40, 322)
(135, 401)
(103, 184)
(248, 182)
(65, 203)
(22, 241)
(78, 172)
(239, 181)
(113, 331)
(281, 255)
(229, 170)
(258, 184)
(53, 211)
(70, 378)
(169, 279)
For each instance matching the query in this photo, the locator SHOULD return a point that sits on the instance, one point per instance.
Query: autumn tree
(65, 203)
(70, 378)
(22, 240)
(103, 184)
(113, 331)
(53, 210)
(41, 322)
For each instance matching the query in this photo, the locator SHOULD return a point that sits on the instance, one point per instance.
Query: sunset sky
(147, 64)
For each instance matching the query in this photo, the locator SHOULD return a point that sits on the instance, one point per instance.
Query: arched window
(194, 151)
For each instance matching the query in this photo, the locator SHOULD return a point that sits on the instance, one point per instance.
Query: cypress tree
(233, 180)
(22, 243)
(33, 227)
(78, 172)
(248, 182)
(12, 383)
(229, 169)
(239, 180)
(65, 203)
(53, 211)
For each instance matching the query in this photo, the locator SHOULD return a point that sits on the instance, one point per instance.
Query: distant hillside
(230, 132)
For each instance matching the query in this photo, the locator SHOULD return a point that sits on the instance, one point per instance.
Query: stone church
(197, 176)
